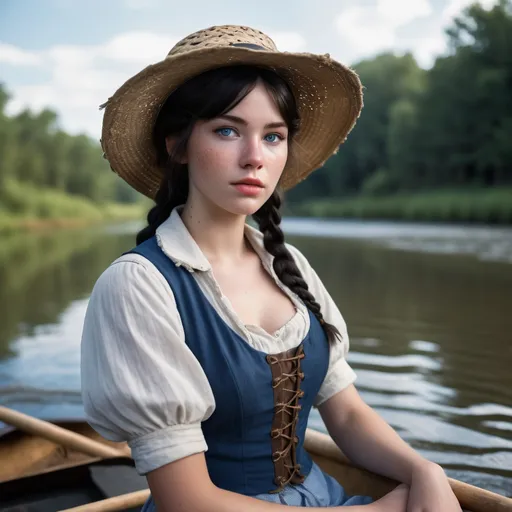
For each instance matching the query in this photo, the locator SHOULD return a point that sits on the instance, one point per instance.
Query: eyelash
(218, 130)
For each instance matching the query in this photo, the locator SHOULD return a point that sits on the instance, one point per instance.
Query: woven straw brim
(328, 94)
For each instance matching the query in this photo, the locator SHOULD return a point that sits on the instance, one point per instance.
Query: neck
(219, 234)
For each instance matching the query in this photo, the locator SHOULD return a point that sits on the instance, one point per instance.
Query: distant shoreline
(35, 224)
(24, 206)
(491, 206)
(11, 223)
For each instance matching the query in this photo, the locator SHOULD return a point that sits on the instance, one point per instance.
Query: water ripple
(488, 243)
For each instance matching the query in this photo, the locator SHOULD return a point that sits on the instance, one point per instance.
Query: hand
(430, 491)
(394, 501)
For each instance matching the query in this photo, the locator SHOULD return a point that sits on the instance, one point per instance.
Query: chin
(244, 206)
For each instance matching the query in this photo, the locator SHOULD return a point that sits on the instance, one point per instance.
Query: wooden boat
(39, 474)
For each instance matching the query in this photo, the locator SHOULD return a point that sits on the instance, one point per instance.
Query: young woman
(206, 346)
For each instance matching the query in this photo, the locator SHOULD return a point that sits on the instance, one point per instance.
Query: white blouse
(140, 381)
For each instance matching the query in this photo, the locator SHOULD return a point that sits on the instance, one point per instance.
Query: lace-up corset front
(286, 380)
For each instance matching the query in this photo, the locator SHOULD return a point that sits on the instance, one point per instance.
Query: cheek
(276, 160)
(208, 163)
(204, 158)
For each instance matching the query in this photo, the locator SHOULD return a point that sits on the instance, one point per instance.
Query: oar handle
(474, 498)
(57, 434)
(132, 499)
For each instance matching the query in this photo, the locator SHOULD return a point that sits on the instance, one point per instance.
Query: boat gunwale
(318, 444)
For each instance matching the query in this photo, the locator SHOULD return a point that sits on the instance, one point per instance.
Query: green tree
(464, 118)
(7, 140)
(34, 150)
(387, 79)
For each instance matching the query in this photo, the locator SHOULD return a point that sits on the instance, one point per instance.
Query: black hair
(205, 97)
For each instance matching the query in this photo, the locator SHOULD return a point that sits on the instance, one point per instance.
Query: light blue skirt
(318, 490)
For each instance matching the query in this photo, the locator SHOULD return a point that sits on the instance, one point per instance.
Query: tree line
(447, 127)
(34, 150)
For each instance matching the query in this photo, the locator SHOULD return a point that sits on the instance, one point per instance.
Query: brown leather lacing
(285, 371)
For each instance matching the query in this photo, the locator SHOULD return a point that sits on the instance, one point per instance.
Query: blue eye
(273, 137)
(225, 132)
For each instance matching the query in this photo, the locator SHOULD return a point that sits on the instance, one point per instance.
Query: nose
(252, 154)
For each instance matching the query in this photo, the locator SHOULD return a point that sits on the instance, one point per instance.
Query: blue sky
(71, 55)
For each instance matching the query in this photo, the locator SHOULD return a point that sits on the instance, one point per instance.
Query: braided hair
(268, 218)
(207, 96)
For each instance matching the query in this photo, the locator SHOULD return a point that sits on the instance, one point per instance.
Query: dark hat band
(250, 46)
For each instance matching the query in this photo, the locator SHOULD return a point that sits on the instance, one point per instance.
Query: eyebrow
(239, 120)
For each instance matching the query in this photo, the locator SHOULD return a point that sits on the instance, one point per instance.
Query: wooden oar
(132, 499)
(473, 498)
(58, 435)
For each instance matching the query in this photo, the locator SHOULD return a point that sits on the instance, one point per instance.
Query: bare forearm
(226, 501)
(185, 486)
(371, 443)
(215, 499)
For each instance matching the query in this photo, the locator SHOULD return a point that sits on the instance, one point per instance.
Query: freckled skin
(216, 161)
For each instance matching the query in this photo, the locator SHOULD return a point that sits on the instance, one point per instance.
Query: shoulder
(131, 276)
(131, 304)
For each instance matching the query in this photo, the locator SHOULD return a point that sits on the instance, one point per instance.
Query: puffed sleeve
(339, 374)
(140, 381)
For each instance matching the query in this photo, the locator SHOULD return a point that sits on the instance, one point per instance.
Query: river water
(428, 307)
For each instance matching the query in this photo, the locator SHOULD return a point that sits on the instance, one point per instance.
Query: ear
(170, 141)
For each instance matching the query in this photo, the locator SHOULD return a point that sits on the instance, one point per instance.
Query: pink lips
(249, 186)
(248, 190)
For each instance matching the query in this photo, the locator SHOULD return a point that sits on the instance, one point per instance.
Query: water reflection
(431, 344)
(41, 274)
(456, 304)
(430, 333)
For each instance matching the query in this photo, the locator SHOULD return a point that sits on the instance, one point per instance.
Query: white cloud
(83, 77)
(12, 55)
(364, 30)
(140, 47)
(372, 29)
(400, 12)
(289, 41)
(427, 48)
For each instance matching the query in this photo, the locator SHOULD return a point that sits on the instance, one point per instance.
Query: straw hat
(328, 95)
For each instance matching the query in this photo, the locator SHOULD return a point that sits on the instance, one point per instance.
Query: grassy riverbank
(25, 206)
(489, 206)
